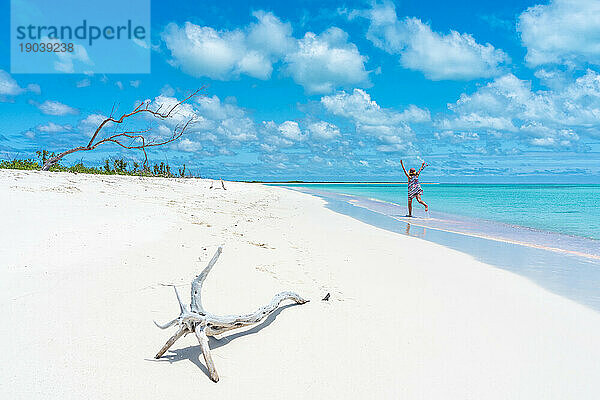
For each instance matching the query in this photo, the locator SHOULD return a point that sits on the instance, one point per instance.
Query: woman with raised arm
(414, 187)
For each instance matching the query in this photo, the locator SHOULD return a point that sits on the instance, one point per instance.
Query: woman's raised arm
(404, 169)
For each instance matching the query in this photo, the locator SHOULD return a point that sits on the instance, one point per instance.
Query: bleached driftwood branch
(212, 185)
(203, 324)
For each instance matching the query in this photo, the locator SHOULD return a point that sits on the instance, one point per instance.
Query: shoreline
(424, 223)
(523, 258)
(488, 237)
(398, 210)
(407, 318)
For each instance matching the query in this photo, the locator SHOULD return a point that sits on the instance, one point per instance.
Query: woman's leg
(422, 202)
(410, 206)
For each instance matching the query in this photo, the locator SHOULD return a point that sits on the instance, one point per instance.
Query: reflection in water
(417, 231)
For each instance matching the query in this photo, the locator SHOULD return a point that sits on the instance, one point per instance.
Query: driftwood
(203, 324)
(212, 185)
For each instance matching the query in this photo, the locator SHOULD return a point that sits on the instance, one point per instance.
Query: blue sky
(484, 91)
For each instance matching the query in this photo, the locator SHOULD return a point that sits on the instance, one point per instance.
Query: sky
(312, 90)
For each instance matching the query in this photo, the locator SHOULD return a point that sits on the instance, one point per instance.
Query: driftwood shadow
(194, 353)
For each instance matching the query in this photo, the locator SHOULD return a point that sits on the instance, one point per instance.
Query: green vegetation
(115, 166)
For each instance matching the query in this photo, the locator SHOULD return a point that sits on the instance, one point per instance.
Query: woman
(414, 187)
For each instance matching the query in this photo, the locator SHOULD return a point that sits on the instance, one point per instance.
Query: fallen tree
(135, 139)
(203, 324)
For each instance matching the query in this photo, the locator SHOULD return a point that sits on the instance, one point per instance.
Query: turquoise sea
(566, 209)
(549, 234)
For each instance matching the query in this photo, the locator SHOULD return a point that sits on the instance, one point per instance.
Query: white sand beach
(86, 260)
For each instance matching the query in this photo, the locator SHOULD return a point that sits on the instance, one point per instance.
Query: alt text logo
(85, 31)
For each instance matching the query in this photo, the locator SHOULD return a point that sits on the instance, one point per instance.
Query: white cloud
(34, 88)
(237, 129)
(389, 127)
(323, 62)
(167, 90)
(188, 145)
(214, 108)
(415, 114)
(51, 127)
(163, 131)
(270, 34)
(391, 138)
(291, 130)
(142, 43)
(204, 51)
(455, 56)
(181, 115)
(553, 78)
(563, 31)
(89, 124)
(508, 108)
(83, 83)
(317, 62)
(66, 60)
(216, 122)
(478, 121)
(543, 136)
(272, 140)
(10, 87)
(359, 107)
(323, 130)
(393, 147)
(276, 136)
(51, 107)
(456, 137)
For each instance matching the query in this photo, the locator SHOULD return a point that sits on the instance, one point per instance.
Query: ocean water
(566, 209)
(546, 233)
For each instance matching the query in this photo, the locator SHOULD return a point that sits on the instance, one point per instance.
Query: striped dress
(414, 188)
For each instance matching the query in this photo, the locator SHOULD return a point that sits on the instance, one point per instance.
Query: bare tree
(136, 139)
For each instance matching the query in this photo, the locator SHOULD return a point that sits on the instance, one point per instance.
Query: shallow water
(566, 209)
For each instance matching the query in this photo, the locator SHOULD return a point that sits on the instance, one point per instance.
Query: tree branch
(170, 342)
(210, 365)
(138, 135)
(196, 293)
